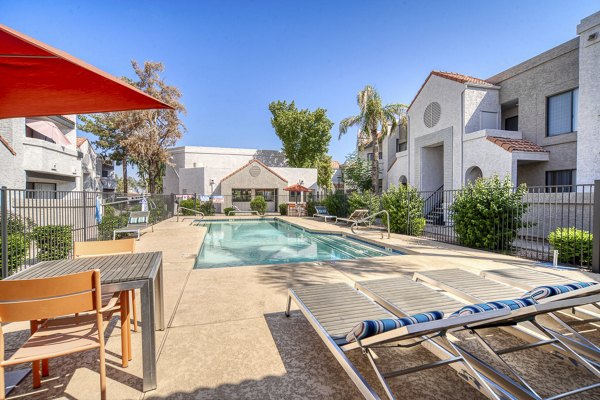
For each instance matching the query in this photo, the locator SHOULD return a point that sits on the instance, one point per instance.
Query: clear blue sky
(231, 58)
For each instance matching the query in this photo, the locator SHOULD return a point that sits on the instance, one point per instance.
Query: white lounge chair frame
(329, 296)
(357, 215)
(236, 210)
(325, 216)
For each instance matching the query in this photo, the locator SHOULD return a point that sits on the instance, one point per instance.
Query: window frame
(241, 197)
(554, 187)
(261, 192)
(573, 118)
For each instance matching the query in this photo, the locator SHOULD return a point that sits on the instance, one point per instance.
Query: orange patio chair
(106, 248)
(66, 317)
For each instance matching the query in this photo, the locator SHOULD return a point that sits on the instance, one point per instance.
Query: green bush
(227, 210)
(189, 204)
(574, 245)
(207, 208)
(310, 207)
(364, 200)
(283, 209)
(111, 221)
(18, 245)
(336, 204)
(489, 213)
(54, 242)
(259, 204)
(405, 206)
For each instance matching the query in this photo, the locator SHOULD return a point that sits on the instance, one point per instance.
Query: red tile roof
(453, 76)
(511, 145)
(297, 188)
(335, 164)
(80, 141)
(251, 162)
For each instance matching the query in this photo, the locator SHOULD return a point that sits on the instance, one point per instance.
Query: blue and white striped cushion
(541, 292)
(369, 328)
(493, 305)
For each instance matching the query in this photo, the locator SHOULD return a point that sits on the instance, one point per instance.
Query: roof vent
(254, 171)
(432, 114)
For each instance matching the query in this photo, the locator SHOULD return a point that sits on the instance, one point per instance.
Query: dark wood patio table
(117, 273)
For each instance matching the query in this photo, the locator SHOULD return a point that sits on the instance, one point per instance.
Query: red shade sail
(38, 80)
(296, 188)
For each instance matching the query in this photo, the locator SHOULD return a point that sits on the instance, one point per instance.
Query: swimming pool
(254, 242)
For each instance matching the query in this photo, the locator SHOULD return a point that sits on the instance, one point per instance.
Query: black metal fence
(38, 225)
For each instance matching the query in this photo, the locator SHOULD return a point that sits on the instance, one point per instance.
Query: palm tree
(374, 118)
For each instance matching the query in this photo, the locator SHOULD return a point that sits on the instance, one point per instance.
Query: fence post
(596, 229)
(4, 233)
(83, 194)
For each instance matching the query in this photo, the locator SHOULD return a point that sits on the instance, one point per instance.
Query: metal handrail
(368, 218)
(196, 212)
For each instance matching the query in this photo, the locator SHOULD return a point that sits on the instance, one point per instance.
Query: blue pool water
(237, 243)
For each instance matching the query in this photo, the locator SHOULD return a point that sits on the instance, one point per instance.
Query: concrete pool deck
(228, 338)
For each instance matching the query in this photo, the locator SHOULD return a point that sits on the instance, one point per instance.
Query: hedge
(18, 245)
(259, 204)
(54, 242)
(574, 245)
(405, 206)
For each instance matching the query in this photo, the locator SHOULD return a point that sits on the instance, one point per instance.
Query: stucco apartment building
(238, 175)
(45, 154)
(537, 123)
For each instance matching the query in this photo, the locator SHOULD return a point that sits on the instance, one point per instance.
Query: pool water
(237, 243)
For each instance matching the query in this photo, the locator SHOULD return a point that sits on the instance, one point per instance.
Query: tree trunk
(124, 164)
(375, 161)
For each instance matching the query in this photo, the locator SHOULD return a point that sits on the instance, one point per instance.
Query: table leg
(148, 337)
(160, 299)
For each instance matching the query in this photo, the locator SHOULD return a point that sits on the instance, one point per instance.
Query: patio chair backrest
(103, 248)
(35, 299)
(358, 214)
(322, 210)
(138, 218)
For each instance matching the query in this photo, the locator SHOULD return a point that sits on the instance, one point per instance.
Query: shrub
(259, 204)
(405, 206)
(336, 204)
(110, 221)
(283, 209)
(574, 245)
(489, 213)
(364, 200)
(54, 242)
(227, 210)
(207, 208)
(189, 204)
(17, 244)
(310, 207)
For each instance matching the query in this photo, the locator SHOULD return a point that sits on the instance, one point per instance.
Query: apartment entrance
(432, 167)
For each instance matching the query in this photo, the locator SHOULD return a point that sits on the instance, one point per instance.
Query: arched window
(473, 174)
(403, 181)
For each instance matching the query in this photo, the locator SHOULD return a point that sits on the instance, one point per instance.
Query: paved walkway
(228, 338)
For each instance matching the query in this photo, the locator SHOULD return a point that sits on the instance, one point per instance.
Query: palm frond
(349, 122)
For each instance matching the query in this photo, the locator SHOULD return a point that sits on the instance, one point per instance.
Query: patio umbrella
(297, 188)
(39, 80)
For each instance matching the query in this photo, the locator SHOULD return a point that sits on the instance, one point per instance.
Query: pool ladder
(369, 219)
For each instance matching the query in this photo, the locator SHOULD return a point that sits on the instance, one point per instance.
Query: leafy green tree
(324, 173)
(304, 134)
(374, 122)
(488, 214)
(356, 172)
(364, 200)
(405, 206)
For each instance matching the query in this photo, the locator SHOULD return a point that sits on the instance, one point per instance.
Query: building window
(380, 155)
(561, 113)
(268, 194)
(105, 173)
(489, 120)
(241, 195)
(512, 123)
(400, 146)
(296, 197)
(560, 181)
(370, 156)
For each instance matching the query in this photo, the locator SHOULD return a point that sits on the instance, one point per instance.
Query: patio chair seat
(59, 336)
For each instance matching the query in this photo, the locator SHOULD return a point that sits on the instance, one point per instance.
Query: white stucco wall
(489, 157)
(477, 100)
(588, 130)
(397, 170)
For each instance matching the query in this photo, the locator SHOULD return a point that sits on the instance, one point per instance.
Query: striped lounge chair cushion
(541, 292)
(369, 328)
(494, 305)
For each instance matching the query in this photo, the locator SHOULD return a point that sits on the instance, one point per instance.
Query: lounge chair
(237, 211)
(49, 305)
(356, 216)
(476, 289)
(321, 212)
(402, 296)
(114, 247)
(137, 221)
(335, 310)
